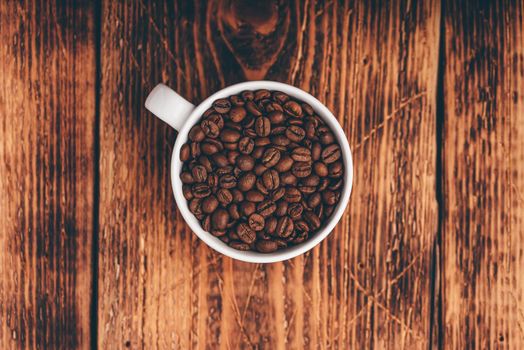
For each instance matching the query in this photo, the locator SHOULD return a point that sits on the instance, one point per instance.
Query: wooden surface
(429, 254)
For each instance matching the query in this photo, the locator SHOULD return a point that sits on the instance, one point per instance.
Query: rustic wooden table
(429, 253)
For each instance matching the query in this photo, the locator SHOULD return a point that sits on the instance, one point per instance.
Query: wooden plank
(47, 162)
(482, 154)
(368, 285)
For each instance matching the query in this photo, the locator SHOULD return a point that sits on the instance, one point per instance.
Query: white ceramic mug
(182, 115)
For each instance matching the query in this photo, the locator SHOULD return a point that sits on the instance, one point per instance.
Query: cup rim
(251, 256)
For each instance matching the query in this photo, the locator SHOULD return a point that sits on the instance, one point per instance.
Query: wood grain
(483, 178)
(368, 285)
(47, 160)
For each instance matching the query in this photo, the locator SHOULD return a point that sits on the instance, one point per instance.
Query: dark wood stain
(408, 266)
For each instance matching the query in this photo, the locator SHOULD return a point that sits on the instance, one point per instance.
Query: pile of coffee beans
(261, 171)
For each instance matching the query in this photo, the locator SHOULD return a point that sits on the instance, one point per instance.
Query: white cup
(182, 115)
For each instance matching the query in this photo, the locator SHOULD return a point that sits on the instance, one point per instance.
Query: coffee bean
(335, 185)
(199, 173)
(266, 246)
(234, 213)
(212, 181)
(200, 190)
(209, 204)
(314, 200)
(259, 184)
(246, 181)
(220, 160)
(284, 164)
(227, 181)
(254, 196)
(236, 101)
(262, 141)
(263, 126)
(210, 129)
(239, 245)
(281, 208)
(246, 145)
(295, 133)
(284, 227)
(329, 197)
(247, 208)
(280, 140)
(271, 225)
(271, 179)
(271, 157)
(292, 108)
(237, 114)
(324, 183)
(276, 117)
(225, 170)
(245, 162)
(258, 152)
(222, 105)
(259, 169)
(319, 211)
(272, 106)
(245, 233)
(288, 178)
(219, 219)
(320, 169)
(247, 95)
(311, 180)
(238, 196)
(186, 190)
(195, 206)
(316, 151)
(307, 108)
(301, 154)
(186, 178)
(252, 108)
(301, 169)
(306, 189)
(206, 163)
(224, 196)
(206, 223)
(209, 148)
(312, 220)
(293, 195)
(294, 210)
(195, 149)
(278, 194)
(256, 222)
(335, 169)
(229, 135)
(266, 207)
(280, 97)
(196, 133)
(325, 135)
(331, 154)
(232, 157)
(185, 152)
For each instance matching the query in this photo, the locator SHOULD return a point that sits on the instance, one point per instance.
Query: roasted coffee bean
(271, 179)
(281, 208)
(199, 173)
(196, 134)
(245, 233)
(229, 135)
(263, 126)
(195, 149)
(301, 154)
(246, 145)
(234, 213)
(284, 227)
(284, 164)
(246, 181)
(278, 194)
(261, 171)
(224, 196)
(227, 181)
(247, 208)
(329, 197)
(259, 184)
(271, 157)
(256, 222)
(252, 108)
(237, 114)
(294, 210)
(222, 105)
(266, 246)
(200, 190)
(288, 178)
(312, 220)
(254, 196)
(210, 129)
(239, 245)
(293, 195)
(321, 169)
(209, 204)
(293, 109)
(245, 162)
(295, 133)
(301, 169)
(331, 154)
(236, 101)
(185, 152)
(266, 207)
(238, 196)
(335, 169)
(277, 117)
(186, 178)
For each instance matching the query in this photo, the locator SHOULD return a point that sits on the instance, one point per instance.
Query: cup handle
(169, 106)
